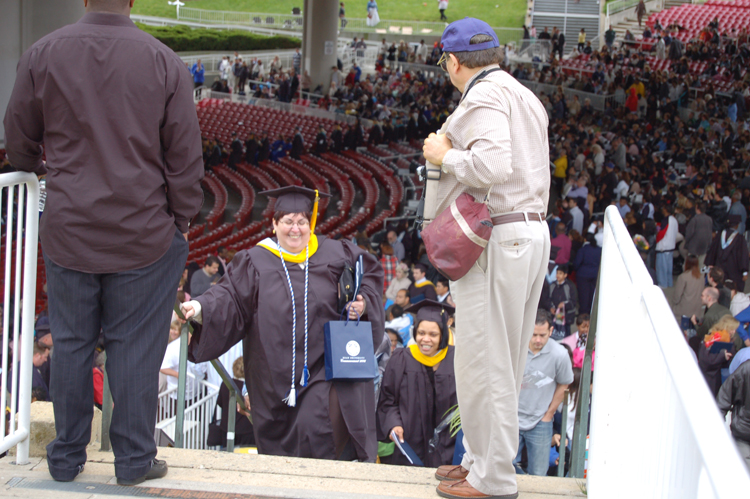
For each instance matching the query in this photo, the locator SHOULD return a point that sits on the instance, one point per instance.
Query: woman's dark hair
(480, 58)
(575, 386)
(278, 215)
(398, 336)
(691, 263)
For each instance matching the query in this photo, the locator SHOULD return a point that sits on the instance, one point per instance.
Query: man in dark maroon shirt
(111, 109)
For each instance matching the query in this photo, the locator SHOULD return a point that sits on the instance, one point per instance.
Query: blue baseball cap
(458, 34)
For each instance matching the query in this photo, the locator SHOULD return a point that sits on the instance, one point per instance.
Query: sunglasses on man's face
(443, 62)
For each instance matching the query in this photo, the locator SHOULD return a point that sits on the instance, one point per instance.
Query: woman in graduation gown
(419, 388)
(277, 297)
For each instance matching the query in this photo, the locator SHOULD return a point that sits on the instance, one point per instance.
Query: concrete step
(193, 474)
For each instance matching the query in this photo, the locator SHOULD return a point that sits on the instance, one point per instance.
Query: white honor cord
(291, 399)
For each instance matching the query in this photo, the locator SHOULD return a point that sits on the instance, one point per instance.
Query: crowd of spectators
(670, 151)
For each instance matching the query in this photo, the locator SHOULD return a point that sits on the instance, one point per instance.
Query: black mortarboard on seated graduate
(296, 199)
(431, 310)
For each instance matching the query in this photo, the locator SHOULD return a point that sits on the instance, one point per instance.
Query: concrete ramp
(221, 475)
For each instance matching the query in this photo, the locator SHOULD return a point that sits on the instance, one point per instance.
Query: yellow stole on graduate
(425, 360)
(312, 245)
(299, 257)
(426, 283)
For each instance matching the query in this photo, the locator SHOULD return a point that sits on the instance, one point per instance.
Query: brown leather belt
(517, 217)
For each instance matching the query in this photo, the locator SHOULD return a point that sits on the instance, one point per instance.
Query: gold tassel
(314, 217)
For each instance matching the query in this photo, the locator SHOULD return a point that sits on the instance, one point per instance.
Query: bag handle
(341, 316)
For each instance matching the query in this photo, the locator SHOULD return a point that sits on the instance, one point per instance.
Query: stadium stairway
(220, 475)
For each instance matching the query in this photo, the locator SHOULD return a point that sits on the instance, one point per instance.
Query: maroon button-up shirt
(114, 110)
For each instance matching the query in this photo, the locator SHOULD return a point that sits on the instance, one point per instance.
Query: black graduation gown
(428, 291)
(252, 303)
(406, 400)
(733, 260)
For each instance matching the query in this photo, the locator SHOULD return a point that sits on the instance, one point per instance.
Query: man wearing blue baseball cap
(493, 146)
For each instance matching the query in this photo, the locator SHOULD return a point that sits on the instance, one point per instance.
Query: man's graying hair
(480, 58)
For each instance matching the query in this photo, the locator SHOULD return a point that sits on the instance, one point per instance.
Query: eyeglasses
(443, 62)
(288, 223)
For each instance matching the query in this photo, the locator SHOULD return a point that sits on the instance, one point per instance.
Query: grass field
(509, 13)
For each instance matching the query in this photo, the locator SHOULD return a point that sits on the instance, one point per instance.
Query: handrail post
(231, 415)
(580, 431)
(179, 424)
(563, 434)
(106, 408)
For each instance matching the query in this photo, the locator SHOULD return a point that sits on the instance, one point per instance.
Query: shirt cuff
(198, 316)
(182, 224)
(450, 160)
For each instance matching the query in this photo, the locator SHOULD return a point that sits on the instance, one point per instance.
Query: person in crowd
(577, 341)
(547, 374)
(419, 390)
(400, 321)
(713, 312)
(506, 121)
(564, 299)
(307, 416)
(442, 7)
(372, 13)
(395, 337)
(422, 288)
(398, 247)
(389, 263)
(399, 282)
(342, 15)
(698, 233)
(202, 280)
(740, 301)
(734, 396)
(321, 141)
(587, 261)
(243, 429)
(563, 242)
(298, 144)
(170, 366)
(711, 364)
(222, 254)
(666, 243)
(716, 280)
(688, 289)
(576, 214)
(728, 250)
(114, 234)
(443, 290)
(198, 72)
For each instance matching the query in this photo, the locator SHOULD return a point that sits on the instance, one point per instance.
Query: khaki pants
(496, 304)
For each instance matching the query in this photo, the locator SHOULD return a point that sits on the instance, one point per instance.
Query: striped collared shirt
(499, 137)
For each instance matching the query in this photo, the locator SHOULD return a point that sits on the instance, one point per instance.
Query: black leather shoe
(158, 470)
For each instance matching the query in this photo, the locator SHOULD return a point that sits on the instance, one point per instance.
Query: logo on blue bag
(352, 348)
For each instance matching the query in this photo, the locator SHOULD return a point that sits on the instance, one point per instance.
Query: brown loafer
(451, 472)
(463, 490)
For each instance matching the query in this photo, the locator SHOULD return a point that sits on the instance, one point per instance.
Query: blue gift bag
(349, 351)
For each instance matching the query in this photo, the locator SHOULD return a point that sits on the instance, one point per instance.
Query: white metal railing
(21, 226)
(655, 428)
(198, 413)
(291, 22)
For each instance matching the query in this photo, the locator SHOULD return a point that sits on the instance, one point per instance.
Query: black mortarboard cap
(294, 199)
(733, 220)
(431, 310)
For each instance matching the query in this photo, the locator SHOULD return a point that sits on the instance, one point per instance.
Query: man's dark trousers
(133, 310)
